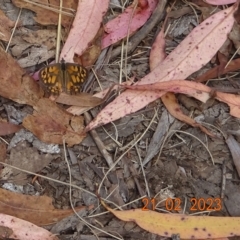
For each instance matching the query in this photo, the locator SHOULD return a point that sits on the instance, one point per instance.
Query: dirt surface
(171, 160)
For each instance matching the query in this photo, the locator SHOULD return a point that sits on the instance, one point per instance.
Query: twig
(13, 31)
(224, 170)
(99, 142)
(59, 32)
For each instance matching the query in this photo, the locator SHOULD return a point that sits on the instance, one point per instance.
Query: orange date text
(174, 204)
(197, 204)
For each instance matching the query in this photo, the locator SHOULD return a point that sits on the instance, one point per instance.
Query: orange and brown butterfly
(63, 77)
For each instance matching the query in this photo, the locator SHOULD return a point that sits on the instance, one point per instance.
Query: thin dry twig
(179, 131)
(13, 31)
(53, 8)
(99, 142)
(59, 32)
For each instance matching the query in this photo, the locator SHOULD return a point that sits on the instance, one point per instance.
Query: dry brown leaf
(171, 103)
(49, 17)
(33, 47)
(35, 209)
(15, 83)
(93, 51)
(8, 128)
(200, 3)
(46, 37)
(25, 157)
(3, 152)
(213, 72)
(105, 95)
(81, 100)
(5, 27)
(180, 12)
(51, 124)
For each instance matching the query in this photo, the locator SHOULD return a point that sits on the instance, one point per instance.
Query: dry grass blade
(178, 131)
(54, 8)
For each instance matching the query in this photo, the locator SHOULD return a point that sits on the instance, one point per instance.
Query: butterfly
(63, 77)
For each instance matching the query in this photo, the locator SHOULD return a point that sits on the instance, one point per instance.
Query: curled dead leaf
(46, 13)
(81, 100)
(51, 124)
(15, 83)
(5, 27)
(93, 51)
(35, 209)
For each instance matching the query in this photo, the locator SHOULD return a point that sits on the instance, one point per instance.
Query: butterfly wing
(51, 77)
(75, 76)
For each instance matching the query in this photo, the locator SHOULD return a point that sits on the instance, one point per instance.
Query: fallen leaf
(157, 55)
(51, 124)
(173, 107)
(180, 12)
(17, 85)
(213, 72)
(189, 56)
(103, 95)
(31, 161)
(35, 209)
(8, 128)
(5, 27)
(89, 57)
(3, 151)
(193, 89)
(188, 227)
(128, 22)
(86, 24)
(220, 2)
(46, 16)
(233, 101)
(45, 37)
(81, 100)
(15, 228)
(196, 90)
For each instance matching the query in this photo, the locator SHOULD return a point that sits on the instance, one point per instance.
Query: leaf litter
(186, 58)
(53, 124)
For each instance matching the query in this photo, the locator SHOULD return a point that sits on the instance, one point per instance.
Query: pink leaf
(220, 2)
(128, 22)
(190, 55)
(85, 26)
(193, 89)
(196, 90)
(157, 54)
(23, 230)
